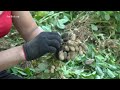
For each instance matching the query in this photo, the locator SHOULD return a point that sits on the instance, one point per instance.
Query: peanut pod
(70, 42)
(72, 55)
(76, 48)
(84, 46)
(72, 48)
(61, 55)
(80, 50)
(65, 55)
(66, 48)
(68, 57)
(73, 36)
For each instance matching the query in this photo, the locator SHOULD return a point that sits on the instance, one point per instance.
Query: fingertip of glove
(52, 49)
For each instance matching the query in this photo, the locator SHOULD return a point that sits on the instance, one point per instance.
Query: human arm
(11, 57)
(25, 25)
(37, 44)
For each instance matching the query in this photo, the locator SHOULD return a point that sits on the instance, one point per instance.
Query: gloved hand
(45, 42)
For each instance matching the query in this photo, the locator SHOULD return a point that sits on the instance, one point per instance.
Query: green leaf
(32, 69)
(110, 73)
(22, 73)
(98, 13)
(28, 71)
(51, 13)
(99, 71)
(100, 57)
(94, 27)
(14, 70)
(18, 68)
(40, 14)
(68, 16)
(117, 16)
(112, 67)
(78, 72)
(98, 77)
(107, 16)
(89, 75)
(46, 71)
(110, 12)
(60, 24)
(46, 28)
(105, 65)
(65, 19)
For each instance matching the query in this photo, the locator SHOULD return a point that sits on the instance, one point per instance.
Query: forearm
(11, 57)
(25, 25)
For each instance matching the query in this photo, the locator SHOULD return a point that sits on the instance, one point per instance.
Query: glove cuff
(24, 52)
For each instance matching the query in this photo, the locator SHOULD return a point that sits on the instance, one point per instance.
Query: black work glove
(45, 42)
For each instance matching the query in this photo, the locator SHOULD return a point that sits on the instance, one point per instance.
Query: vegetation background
(100, 62)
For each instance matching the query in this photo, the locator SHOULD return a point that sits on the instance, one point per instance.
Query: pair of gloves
(45, 42)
